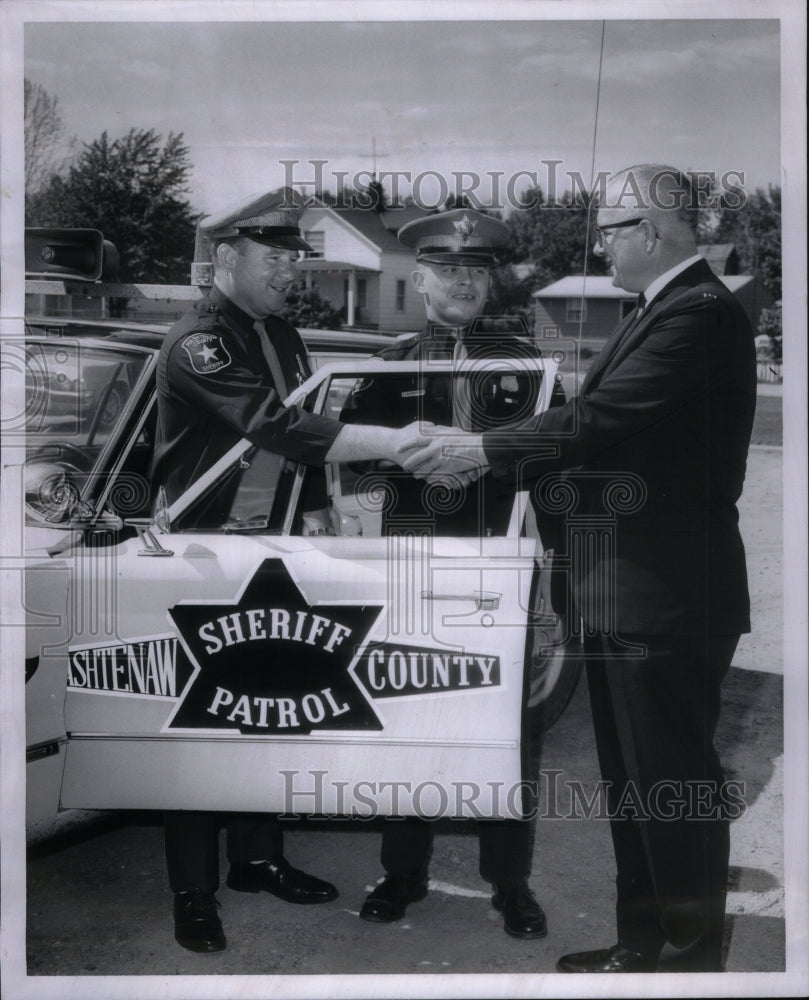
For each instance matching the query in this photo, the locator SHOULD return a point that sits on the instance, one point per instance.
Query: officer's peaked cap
(271, 219)
(462, 236)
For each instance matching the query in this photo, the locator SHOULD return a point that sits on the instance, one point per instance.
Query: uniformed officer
(223, 373)
(455, 252)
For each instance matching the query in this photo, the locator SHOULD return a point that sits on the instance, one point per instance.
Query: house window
(362, 293)
(576, 310)
(316, 239)
(400, 296)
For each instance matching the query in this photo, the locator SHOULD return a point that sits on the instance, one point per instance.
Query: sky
(443, 97)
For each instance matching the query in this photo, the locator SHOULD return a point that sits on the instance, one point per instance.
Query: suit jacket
(655, 445)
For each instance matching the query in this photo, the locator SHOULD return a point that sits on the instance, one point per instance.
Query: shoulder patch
(206, 352)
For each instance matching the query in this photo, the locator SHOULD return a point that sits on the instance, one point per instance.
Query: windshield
(79, 397)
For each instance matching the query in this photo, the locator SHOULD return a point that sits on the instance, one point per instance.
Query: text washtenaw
(148, 667)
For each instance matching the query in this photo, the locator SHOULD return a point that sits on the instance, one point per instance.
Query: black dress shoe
(522, 914)
(197, 926)
(615, 959)
(389, 900)
(282, 880)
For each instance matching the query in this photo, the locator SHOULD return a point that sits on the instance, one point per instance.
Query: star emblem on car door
(271, 664)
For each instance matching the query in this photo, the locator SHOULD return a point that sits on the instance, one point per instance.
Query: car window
(77, 398)
(250, 495)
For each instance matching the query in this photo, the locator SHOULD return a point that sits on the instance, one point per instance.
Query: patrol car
(261, 656)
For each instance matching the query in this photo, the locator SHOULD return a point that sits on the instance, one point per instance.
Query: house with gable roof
(590, 308)
(359, 266)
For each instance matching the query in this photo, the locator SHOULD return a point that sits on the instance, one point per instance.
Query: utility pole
(373, 156)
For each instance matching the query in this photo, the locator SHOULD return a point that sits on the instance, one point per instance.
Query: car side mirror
(161, 512)
(51, 492)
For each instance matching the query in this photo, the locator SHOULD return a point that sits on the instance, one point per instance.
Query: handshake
(443, 455)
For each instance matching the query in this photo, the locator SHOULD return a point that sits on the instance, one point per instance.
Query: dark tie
(271, 357)
(633, 322)
(461, 400)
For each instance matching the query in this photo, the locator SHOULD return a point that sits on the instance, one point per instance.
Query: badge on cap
(462, 236)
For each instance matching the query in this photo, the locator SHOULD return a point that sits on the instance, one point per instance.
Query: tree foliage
(552, 236)
(44, 135)
(549, 240)
(510, 294)
(132, 189)
(308, 309)
(755, 229)
(370, 197)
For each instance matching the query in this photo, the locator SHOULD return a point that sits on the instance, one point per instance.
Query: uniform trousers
(506, 848)
(506, 845)
(655, 717)
(192, 845)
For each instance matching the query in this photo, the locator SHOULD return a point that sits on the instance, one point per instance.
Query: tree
(509, 294)
(308, 309)
(458, 201)
(755, 229)
(552, 239)
(44, 134)
(132, 190)
(551, 236)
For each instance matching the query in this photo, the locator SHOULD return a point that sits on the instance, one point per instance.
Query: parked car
(275, 664)
(323, 345)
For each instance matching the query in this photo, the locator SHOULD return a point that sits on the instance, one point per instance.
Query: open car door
(284, 640)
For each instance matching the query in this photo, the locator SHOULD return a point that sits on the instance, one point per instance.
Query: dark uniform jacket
(660, 432)
(214, 387)
(498, 399)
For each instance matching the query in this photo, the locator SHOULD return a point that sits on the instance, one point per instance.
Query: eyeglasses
(600, 231)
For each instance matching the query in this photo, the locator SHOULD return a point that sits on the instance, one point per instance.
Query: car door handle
(484, 600)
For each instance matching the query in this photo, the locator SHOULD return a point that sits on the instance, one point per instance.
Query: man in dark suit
(655, 445)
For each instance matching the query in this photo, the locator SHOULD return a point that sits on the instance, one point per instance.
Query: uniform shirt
(485, 506)
(214, 387)
(409, 397)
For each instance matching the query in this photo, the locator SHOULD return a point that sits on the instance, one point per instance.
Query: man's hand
(412, 438)
(415, 438)
(443, 454)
